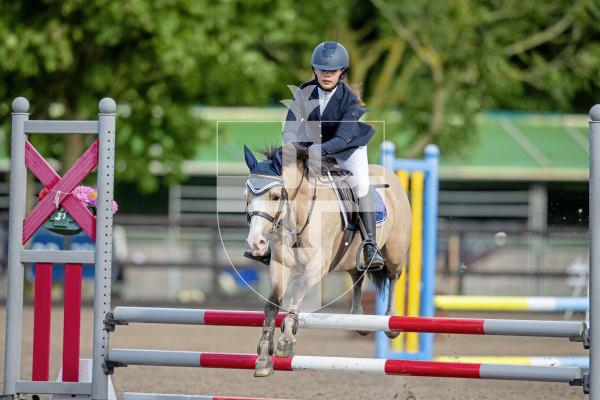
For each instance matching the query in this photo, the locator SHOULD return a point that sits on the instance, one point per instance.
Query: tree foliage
(156, 58)
(439, 62)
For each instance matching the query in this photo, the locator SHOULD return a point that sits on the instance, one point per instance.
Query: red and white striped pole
(568, 329)
(569, 375)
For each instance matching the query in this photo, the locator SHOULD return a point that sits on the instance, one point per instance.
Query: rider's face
(328, 79)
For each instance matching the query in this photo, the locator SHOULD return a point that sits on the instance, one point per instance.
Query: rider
(325, 112)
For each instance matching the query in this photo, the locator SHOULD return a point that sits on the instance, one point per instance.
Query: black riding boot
(366, 207)
(265, 259)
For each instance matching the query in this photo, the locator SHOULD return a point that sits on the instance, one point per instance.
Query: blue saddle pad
(380, 209)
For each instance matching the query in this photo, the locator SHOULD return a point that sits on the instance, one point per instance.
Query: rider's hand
(315, 155)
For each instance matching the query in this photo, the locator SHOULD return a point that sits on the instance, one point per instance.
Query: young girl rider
(325, 113)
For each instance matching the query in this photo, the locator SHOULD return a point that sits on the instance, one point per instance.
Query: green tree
(156, 59)
(443, 62)
(439, 63)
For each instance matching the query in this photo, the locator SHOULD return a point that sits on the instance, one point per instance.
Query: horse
(286, 202)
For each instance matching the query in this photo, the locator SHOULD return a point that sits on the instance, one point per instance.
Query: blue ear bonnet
(263, 177)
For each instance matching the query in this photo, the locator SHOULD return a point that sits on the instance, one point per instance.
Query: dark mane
(269, 152)
(327, 162)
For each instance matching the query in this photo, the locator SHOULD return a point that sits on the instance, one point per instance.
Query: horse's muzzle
(258, 246)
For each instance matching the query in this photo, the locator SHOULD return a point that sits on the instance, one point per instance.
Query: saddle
(352, 223)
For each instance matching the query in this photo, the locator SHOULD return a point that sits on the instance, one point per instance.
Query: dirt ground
(305, 385)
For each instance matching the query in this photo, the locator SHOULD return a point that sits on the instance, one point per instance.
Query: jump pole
(511, 303)
(582, 362)
(157, 396)
(574, 330)
(125, 357)
(594, 285)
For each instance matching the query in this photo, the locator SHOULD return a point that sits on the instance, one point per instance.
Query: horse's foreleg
(357, 281)
(278, 278)
(265, 348)
(299, 285)
(289, 326)
(393, 278)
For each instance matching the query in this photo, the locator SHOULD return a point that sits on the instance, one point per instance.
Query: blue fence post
(430, 166)
(430, 216)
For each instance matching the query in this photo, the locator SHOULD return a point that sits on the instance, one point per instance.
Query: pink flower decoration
(89, 196)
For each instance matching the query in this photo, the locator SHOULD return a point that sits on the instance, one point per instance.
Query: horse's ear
(277, 163)
(250, 159)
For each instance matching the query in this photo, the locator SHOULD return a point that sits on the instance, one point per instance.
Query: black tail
(380, 279)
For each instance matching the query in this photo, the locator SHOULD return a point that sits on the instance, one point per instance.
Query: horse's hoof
(262, 372)
(363, 333)
(263, 368)
(392, 335)
(285, 348)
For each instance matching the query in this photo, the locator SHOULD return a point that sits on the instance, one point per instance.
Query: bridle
(285, 201)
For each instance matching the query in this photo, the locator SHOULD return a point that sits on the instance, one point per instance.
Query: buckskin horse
(289, 211)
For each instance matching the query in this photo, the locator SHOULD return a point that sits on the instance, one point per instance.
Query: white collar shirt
(324, 97)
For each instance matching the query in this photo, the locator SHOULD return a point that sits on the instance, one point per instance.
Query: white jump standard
(24, 156)
(594, 277)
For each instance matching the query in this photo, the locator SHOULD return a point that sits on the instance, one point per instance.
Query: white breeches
(358, 164)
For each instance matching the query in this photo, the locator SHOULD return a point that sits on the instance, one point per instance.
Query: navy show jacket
(337, 129)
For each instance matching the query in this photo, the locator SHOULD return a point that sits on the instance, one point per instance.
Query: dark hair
(355, 88)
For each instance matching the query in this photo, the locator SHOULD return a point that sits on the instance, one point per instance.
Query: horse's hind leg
(393, 279)
(357, 281)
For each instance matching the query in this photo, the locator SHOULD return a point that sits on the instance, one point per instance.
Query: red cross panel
(65, 185)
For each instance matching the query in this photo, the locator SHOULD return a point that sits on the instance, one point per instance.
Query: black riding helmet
(330, 56)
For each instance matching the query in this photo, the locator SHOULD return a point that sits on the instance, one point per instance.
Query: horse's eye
(276, 197)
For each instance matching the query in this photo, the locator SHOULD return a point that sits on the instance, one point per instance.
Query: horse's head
(266, 198)
(272, 186)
